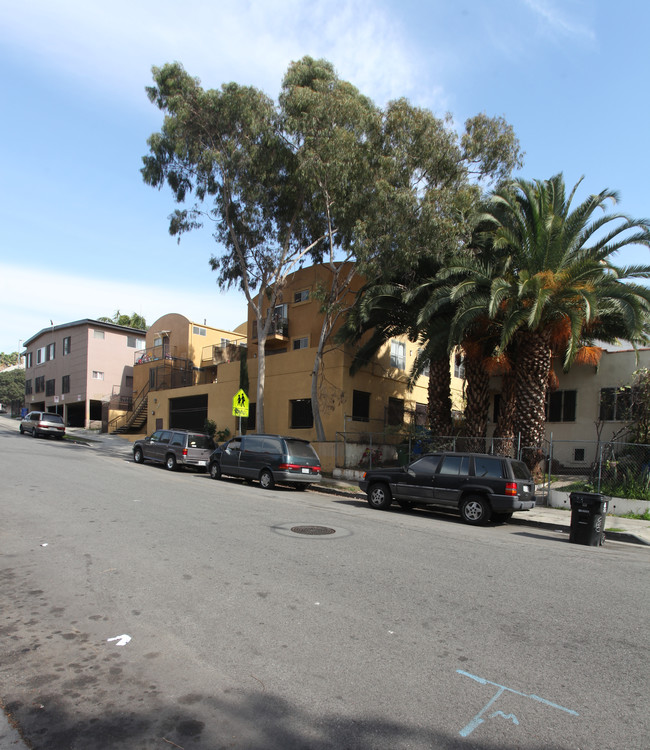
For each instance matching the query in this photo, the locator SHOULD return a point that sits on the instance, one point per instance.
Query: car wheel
(20, 430)
(475, 510)
(215, 470)
(170, 462)
(138, 456)
(266, 480)
(34, 432)
(501, 517)
(379, 496)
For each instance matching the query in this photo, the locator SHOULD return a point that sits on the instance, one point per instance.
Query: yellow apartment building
(191, 372)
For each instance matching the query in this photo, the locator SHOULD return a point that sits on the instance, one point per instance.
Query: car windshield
(52, 418)
(520, 470)
(300, 449)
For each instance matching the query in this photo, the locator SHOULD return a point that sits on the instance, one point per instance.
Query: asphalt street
(149, 609)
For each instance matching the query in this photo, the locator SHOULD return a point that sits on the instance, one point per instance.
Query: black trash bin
(588, 511)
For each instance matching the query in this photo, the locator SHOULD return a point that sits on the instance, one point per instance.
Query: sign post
(240, 405)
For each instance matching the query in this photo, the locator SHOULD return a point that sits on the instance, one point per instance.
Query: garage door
(188, 413)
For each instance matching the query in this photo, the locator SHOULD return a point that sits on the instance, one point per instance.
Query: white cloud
(30, 298)
(559, 21)
(113, 46)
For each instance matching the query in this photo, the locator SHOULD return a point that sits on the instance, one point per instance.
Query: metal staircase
(134, 420)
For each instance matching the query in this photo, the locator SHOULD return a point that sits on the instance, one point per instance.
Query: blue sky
(82, 234)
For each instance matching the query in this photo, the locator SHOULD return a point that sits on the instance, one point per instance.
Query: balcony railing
(218, 355)
(279, 328)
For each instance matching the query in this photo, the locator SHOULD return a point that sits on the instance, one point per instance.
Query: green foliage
(133, 321)
(210, 428)
(639, 412)
(12, 386)
(9, 359)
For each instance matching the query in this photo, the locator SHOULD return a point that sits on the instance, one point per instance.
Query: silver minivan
(43, 423)
(269, 459)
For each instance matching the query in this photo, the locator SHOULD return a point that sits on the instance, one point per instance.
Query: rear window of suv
(520, 470)
(199, 441)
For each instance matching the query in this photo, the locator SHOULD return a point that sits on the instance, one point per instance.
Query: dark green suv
(479, 486)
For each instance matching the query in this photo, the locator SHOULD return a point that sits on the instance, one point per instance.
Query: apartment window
(302, 343)
(98, 375)
(427, 367)
(578, 454)
(49, 387)
(301, 296)
(28, 359)
(561, 406)
(421, 415)
(614, 404)
(398, 354)
(39, 384)
(98, 334)
(49, 353)
(459, 366)
(157, 341)
(301, 414)
(40, 355)
(67, 345)
(65, 384)
(224, 343)
(28, 387)
(198, 331)
(134, 342)
(395, 414)
(360, 406)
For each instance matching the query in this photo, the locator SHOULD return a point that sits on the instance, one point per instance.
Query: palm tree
(557, 287)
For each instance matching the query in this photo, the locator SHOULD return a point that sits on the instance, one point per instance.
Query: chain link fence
(614, 468)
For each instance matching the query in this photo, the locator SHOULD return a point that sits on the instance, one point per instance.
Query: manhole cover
(313, 530)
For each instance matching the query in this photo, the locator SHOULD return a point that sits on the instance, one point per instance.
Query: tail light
(511, 488)
(298, 467)
(185, 451)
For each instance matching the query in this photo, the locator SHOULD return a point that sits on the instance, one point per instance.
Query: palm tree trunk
(504, 432)
(477, 403)
(531, 376)
(439, 392)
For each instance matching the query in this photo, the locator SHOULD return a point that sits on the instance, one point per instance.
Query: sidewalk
(616, 528)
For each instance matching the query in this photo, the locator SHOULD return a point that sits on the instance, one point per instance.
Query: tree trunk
(439, 391)
(531, 383)
(477, 403)
(315, 401)
(504, 432)
(261, 378)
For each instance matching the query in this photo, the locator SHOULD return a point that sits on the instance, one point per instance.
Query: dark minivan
(268, 458)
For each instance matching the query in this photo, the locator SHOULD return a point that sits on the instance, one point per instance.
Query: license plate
(201, 463)
(305, 471)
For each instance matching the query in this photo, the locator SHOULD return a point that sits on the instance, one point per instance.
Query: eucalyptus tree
(225, 149)
(550, 286)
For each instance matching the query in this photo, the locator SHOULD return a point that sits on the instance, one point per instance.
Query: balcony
(219, 355)
(279, 330)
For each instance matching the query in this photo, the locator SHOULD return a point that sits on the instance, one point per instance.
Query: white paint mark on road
(122, 640)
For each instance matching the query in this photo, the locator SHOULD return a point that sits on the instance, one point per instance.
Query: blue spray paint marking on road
(478, 720)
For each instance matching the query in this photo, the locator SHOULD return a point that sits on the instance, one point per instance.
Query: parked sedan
(43, 424)
(478, 486)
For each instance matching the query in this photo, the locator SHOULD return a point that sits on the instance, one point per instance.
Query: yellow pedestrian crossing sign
(240, 404)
